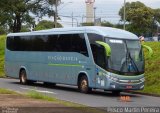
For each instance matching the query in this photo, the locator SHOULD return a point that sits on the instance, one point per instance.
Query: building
(90, 11)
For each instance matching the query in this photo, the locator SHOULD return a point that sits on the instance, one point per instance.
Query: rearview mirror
(149, 50)
(106, 46)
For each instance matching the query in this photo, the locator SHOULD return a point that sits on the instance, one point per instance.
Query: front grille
(129, 81)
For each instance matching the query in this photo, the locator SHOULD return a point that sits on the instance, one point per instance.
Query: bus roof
(104, 31)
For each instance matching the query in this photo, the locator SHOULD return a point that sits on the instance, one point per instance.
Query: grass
(6, 91)
(152, 70)
(2, 47)
(36, 95)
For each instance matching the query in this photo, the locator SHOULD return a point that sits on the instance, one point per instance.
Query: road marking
(40, 91)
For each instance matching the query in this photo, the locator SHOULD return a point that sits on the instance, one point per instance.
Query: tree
(87, 24)
(2, 30)
(157, 14)
(26, 28)
(107, 24)
(157, 20)
(16, 12)
(139, 16)
(44, 24)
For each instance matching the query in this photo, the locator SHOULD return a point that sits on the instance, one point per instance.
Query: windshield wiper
(133, 62)
(131, 59)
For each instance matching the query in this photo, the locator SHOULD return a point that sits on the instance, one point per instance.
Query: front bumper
(113, 85)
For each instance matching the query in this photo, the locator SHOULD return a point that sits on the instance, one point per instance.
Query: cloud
(105, 8)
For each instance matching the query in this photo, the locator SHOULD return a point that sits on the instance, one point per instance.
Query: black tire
(49, 84)
(116, 93)
(23, 77)
(83, 85)
(30, 82)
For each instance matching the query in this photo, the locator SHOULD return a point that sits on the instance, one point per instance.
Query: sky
(105, 9)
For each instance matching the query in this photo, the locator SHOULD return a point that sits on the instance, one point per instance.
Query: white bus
(87, 57)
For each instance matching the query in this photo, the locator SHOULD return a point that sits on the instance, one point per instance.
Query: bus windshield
(126, 57)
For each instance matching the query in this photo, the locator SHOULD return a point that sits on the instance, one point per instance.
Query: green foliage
(88, 24)
(44, 24)
(152, 69)
(5, 91)
(140, 17)
(14, 13)
(104, 23)
(2, 47)
(37, 95)
(25, 28)
(107, 24)
(157, 14)
(53, 2)
(2, 30)
(119, 26)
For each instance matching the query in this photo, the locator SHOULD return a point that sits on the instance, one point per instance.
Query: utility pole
(124, 15)
(82, 20)
(94, 15)
(56, 14)
(72, 19)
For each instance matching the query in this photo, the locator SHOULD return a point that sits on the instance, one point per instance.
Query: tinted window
(57, 43)
(10, 43)
(94, 37)
(51, 43)
(64, 42)
(97, 50)
(18, 43)
(79, 44)
(38, 43)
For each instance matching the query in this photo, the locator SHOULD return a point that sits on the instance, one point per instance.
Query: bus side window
(51, 43)
(38, 43)
(10, 43)
(64, 42)
(97, 50)
(101, 59)
(79, 44)
(99, 55)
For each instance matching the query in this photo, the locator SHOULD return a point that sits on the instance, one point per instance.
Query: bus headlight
(142, 79)
(142, 87)
(113, 78)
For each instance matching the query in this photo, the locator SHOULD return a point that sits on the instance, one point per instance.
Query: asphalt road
(95, 99)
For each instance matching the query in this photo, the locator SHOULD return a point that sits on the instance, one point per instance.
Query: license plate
(129, 87)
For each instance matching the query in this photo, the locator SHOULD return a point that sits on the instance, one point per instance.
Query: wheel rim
(23, 78)
(84, 85)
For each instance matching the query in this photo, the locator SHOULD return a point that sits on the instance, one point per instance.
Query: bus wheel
(23, 77)
(83, 85)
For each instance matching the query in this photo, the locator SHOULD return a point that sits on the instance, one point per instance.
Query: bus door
(99, 57)
(100, 60)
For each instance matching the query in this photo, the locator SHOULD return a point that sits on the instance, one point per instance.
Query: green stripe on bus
(66, 65)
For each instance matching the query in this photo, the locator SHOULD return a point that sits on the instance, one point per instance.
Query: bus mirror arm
(106, 46)
(149, 50)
